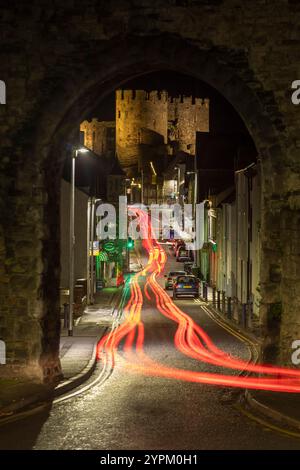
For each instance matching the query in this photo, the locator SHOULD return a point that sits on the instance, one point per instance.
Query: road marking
(247, 340)
(266, 424)
(233, 332)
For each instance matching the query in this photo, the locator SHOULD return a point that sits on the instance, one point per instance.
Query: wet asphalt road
(132, 411)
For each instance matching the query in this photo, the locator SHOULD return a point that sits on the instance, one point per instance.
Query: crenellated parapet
(154, 96)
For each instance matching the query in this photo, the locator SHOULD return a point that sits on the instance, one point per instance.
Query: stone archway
(72, 91)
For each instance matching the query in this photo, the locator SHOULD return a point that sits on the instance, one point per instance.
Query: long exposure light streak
(190, 339)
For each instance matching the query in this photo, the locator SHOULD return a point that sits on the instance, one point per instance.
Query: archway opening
(57, 130)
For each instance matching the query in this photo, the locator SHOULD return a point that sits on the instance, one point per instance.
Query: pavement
(77, 356)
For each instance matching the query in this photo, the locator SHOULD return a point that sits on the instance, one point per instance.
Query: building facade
(231, 255)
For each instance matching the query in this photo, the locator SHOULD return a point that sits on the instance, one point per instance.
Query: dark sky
(223, 117)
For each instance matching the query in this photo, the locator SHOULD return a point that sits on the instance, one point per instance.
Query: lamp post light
(72, 237)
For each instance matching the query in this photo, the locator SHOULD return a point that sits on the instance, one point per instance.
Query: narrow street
(136, 411)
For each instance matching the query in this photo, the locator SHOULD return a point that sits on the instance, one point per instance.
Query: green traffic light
(130, 243)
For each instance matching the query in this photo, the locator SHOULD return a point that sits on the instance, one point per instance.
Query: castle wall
(136, 110)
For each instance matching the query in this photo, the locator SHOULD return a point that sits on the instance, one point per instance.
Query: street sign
(95, 248)
(103, 256)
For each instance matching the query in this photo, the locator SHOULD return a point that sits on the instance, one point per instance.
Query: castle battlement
(153, 96)
(133, 97)
(189, 101)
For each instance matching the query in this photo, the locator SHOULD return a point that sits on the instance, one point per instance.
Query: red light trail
(190, 339)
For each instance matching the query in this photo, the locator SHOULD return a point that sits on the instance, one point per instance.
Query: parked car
(186, 286)
(170, 278)
(183, 255)
(177, 245)
(188, 267)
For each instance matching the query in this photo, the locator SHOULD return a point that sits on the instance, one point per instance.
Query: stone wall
(59, 60)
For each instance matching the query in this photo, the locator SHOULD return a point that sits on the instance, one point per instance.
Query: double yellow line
(253, 348)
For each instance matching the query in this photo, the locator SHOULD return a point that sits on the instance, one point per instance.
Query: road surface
(133, 410)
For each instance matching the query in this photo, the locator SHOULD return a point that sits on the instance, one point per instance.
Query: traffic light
(130, 243)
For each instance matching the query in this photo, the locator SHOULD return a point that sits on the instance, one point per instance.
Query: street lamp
(72, 237)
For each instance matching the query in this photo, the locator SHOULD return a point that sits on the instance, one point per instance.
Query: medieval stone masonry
(148, 118)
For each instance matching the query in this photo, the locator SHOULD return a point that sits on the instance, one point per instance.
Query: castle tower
(141, 118)
(187, 116)
(99, 136)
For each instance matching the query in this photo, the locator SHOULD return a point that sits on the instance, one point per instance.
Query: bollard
(229, 307)
(66, 315)
(214, 296)
(249, 315)
(244, 315)
(236, 310)
(205, 291)
(223, 302)
(219, 300)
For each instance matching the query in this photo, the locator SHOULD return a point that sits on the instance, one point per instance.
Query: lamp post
(72, 237)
